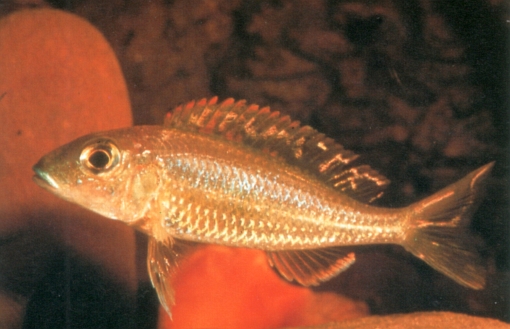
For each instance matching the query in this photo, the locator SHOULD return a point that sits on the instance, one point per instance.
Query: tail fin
(439, 230)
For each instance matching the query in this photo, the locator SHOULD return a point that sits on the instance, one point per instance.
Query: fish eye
(100, 157)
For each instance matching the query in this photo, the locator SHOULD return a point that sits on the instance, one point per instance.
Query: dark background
(417, 88)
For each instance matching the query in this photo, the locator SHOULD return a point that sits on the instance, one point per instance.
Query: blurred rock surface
(59, 79)
(424, 320)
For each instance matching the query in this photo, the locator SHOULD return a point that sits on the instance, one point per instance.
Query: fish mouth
(43, 179)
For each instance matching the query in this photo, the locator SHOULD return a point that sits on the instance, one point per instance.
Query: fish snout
(42, 176)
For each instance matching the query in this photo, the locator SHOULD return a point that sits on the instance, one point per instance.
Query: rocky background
(418, 88)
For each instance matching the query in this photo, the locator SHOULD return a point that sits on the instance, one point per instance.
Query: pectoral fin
(310, 267)
(162, 261)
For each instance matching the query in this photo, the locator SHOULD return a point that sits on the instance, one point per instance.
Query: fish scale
(274, 199)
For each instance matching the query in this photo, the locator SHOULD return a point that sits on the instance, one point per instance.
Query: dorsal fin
(300, 146)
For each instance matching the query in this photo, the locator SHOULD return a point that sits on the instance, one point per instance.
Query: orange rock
(59, 79)
(219, 287)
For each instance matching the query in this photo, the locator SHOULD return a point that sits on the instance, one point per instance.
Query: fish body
(209, 191)
(240, 176)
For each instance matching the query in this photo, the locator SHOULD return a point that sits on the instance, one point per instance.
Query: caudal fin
(439, 232)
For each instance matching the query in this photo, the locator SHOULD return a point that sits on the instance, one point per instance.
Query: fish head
(110, 173)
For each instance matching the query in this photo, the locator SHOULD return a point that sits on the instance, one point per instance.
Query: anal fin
(162, 262)
(312, 266)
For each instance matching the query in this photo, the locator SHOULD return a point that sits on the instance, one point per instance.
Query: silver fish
(240, 176)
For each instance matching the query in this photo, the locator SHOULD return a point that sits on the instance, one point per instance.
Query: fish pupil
(99, 159)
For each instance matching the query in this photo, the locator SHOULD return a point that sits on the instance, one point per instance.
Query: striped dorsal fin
(300, 146)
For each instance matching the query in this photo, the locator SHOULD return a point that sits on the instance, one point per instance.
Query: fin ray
(162, 263)
(311, 267)
(440, 234)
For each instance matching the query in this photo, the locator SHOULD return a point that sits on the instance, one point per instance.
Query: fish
(238, 175)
